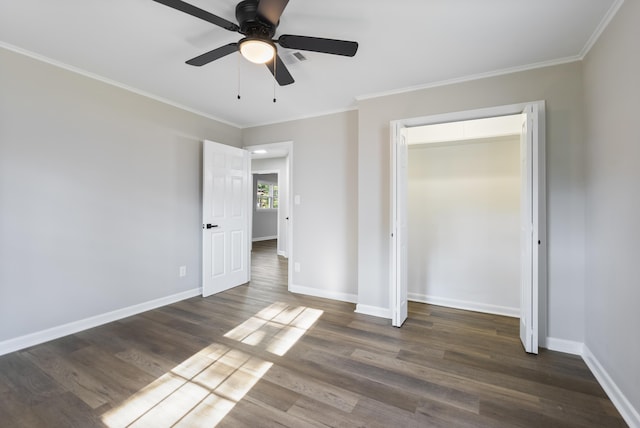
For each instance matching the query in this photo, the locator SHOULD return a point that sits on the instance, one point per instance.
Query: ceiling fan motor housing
(251, 23)
(258, 21)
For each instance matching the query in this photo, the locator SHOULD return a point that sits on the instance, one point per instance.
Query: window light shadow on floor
(278, 326)
(203, 389)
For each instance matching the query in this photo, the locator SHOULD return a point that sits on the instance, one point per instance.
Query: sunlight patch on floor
(278, 327)
(204, 388)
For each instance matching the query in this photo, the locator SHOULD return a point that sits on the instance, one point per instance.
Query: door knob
(209, 226)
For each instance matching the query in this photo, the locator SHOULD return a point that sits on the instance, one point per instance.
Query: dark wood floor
(258, 356)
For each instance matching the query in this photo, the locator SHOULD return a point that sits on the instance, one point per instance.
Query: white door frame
(539, 250)
(285, 149)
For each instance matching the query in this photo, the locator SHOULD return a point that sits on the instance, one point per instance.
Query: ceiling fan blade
(272, 9)
(213, 55)
(199, 13)
(281, 73)
(317, 44)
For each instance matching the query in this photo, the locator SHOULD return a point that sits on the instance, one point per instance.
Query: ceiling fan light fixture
(258, 51)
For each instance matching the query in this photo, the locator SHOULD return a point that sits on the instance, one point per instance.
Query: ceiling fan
(257, 21)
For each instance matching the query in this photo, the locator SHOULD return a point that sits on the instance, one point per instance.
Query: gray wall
(561, 88)
(265, 222)
(325, 222)
(99, 196)
(612, 93)
(464, 224)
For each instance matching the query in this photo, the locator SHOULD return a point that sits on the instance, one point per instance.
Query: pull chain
(275, 79)
(239, 76)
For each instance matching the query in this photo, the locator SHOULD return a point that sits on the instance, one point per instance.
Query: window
(267, 196)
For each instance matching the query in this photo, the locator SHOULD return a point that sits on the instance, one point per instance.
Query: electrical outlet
(296, 267)
(182, 271)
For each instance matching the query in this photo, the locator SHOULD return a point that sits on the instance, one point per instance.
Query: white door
(399, 237)
(225, 217)
(528, 298)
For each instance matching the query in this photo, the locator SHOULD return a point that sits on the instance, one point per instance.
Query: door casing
(283, 149)
(539, 250)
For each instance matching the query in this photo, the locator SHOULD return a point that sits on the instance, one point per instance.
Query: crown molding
(111, 82)
(613, 10)
(470, 78)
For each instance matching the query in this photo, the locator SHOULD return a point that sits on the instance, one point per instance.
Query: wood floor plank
(259, 356)
(402, 381)
(437, 414)
(249, 413)
(320, 391)
(378, 413)
(274, 395)
(15, 411)
(67, 410)
(309, 409)
(70, 376)
(26, 381)
(587, 386)
(152, 364)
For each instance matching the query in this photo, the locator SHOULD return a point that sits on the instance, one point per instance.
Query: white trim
(479, 113)
(470, 78)
(374, 311)
(601, 27)
(52, 333)
(630, 414)
(563, 345)
(115, 83)
(326, 294)
(466, 305)
(264, 238)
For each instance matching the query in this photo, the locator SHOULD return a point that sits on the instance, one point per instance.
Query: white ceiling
(142, 45)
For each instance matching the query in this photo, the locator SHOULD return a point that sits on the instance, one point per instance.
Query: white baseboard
(264, 238)
(326, 294)
(562, 345)
(373, 311)
(630, 414)
(36, 338)
(283, 254)
(463, 304)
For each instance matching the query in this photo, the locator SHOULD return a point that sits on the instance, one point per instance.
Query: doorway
(532, 224)
(463, 208)
(272, 216)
